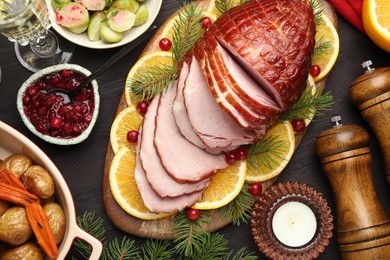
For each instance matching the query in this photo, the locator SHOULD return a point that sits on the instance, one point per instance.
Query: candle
(294, 224)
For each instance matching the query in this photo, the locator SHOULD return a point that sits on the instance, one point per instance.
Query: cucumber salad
(106, 20)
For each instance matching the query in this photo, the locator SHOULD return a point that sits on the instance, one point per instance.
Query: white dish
(11, 141)
(82, 39)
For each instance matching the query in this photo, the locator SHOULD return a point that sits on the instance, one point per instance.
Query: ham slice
(184, 161)
(163, 184)
(152, 200)
(213, 126)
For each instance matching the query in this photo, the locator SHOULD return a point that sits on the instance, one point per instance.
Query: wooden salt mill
(363, 228)
(371, 93)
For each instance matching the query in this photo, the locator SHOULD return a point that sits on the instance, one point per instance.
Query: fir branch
(186, 31)
(92, 225)
(321, 47)
(151, 81)
(240, 255)
(309, 105)
(240, 208)
(317, 11)
(157, 250)
(225, 5)
(264, 151)
(124, 250)
(190, 234)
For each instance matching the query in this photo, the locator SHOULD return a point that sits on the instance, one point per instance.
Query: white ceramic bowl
(11, 142)
(82, 39)
(47, 138)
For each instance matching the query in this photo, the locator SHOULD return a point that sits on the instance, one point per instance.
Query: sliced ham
(184, 161)
(152, 200)
(213, 126)
(163, 184)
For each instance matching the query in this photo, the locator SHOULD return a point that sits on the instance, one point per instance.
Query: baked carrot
(37, 218)
(16, 195)
(7, 176)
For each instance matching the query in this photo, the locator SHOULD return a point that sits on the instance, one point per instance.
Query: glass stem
(45, 45)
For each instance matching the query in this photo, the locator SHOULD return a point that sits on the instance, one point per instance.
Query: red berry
(241, 153)
(298, 125)
(230, 157)
(56, 122)
(315, 70)
(206, 22)
(132, 136)
(142, 107)
(255, 188)
(165, 44)
(193, 214)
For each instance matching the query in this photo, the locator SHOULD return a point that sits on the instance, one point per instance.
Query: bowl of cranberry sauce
(52, 117)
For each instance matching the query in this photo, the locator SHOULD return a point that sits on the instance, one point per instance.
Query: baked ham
(161, 182)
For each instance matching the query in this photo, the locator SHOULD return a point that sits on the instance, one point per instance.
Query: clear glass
(26, 22)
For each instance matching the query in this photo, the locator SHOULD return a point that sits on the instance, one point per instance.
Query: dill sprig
(264, 151)
(309, 105)
(225, 5)
(239, 209)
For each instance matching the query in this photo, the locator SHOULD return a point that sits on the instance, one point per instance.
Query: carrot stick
(40, 225)
(8, 177)
(16, 195)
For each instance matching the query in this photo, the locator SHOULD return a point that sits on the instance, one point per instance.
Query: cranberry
(298, 125)
(193, 214)
(241, 153)
(132, 136)
(142, 107)
(255, 188)
(67, 73)
(165, 44)
(315, 70)
(32, 91)
(230, 157)
(206, 22)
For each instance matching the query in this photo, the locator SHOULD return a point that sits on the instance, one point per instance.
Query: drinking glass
(26, 22)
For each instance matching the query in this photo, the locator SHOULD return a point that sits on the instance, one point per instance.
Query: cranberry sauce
(48, 112)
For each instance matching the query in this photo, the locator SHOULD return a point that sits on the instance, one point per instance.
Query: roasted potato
(38, 181)
(27, 251)
(56, 217)
(4, 205)
(14, 226)
(17, 163)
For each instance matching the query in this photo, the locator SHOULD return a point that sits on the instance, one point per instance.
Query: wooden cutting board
(162, 228)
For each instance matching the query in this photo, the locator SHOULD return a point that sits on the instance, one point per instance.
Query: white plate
(82, 39)
(11, 142)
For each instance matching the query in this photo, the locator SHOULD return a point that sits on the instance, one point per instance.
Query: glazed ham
(250, 66)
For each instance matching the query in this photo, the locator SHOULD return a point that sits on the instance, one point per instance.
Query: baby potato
(28, 251)
(17, 163)
(14, 226)
(56, 217)
(38, 181)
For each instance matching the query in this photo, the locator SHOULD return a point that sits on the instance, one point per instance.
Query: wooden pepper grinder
(371, 94)
(363, 228)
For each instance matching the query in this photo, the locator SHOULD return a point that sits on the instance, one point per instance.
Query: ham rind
(180, 113)
(163, 184)
(152, 200)
(273, 40)
(184, 161)
(213, 126)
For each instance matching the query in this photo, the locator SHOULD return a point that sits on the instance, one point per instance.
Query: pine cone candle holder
(291, 221)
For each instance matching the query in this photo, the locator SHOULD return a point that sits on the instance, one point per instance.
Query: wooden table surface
(82, 165)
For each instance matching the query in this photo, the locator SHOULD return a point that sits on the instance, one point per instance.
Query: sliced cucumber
(109, 36)
(141, 16)
(120, 20)
(94, 26)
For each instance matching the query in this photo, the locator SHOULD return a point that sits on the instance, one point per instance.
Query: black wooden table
(82, 165)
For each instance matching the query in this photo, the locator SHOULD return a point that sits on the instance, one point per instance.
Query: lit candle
(294, 224)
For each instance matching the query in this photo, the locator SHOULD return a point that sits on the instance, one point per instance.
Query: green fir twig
(239, 209)
(225, 5)
(126, 249)
(154, 249)
(317, 11)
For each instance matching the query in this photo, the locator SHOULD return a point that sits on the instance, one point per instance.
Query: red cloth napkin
(351, 10)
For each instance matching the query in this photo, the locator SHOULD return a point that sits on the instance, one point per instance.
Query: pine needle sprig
(240, 255)
(317, 11)
(156, 249)
(190, 234)
(321, 47)
(309, 105)
(239, 209)
(264, 151)
(93, 226)
(187, 29)
(124, 250)
(225, 5)
(151, 81)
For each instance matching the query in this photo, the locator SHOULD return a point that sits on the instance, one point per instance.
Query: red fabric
(351, 10)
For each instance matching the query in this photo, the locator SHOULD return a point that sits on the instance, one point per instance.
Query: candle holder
(271, 201)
